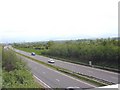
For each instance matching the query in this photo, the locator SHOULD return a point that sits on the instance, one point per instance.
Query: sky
(44, 20)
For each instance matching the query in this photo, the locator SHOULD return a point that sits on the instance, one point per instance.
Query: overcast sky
(39, 20)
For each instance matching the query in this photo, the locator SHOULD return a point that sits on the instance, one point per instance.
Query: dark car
(33, 54)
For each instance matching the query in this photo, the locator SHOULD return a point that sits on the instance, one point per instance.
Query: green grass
(31, 50)
(68, 72)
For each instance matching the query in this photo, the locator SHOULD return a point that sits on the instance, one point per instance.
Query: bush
(15, 73)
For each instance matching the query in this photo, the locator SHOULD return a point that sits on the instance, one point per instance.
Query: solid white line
(42, 82)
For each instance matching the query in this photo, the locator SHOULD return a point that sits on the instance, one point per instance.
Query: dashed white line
(44, 73)
(57, 80)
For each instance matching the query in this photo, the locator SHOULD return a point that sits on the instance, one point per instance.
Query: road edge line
(46, 86)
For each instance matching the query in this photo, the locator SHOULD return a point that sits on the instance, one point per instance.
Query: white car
(72, 88)
(51, 61)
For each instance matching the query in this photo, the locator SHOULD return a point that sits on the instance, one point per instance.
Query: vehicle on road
(33, 54)
(51, 61)
(72, 88)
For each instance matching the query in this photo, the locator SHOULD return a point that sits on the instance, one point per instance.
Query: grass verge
(30, 50)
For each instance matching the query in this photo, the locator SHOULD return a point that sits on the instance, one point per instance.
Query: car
(33, 54)
(51, 61)
(72, 88)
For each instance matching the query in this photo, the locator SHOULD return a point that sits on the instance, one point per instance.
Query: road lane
(98, 73)
(54, 78)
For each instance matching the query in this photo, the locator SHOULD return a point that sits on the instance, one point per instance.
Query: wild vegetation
(101, 52)
(15, 72)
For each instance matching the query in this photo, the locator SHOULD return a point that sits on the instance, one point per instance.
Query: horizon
(61, 40)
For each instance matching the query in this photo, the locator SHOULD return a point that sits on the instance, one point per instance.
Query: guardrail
(80, 63)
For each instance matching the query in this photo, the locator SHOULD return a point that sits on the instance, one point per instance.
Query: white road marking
(57, 80)
(44, 73)
(42, 82)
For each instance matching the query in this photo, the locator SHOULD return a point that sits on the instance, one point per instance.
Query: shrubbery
(102, 52)
(15, 73)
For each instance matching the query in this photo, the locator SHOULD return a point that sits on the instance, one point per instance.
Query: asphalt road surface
(98, 73)
(52, 78)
